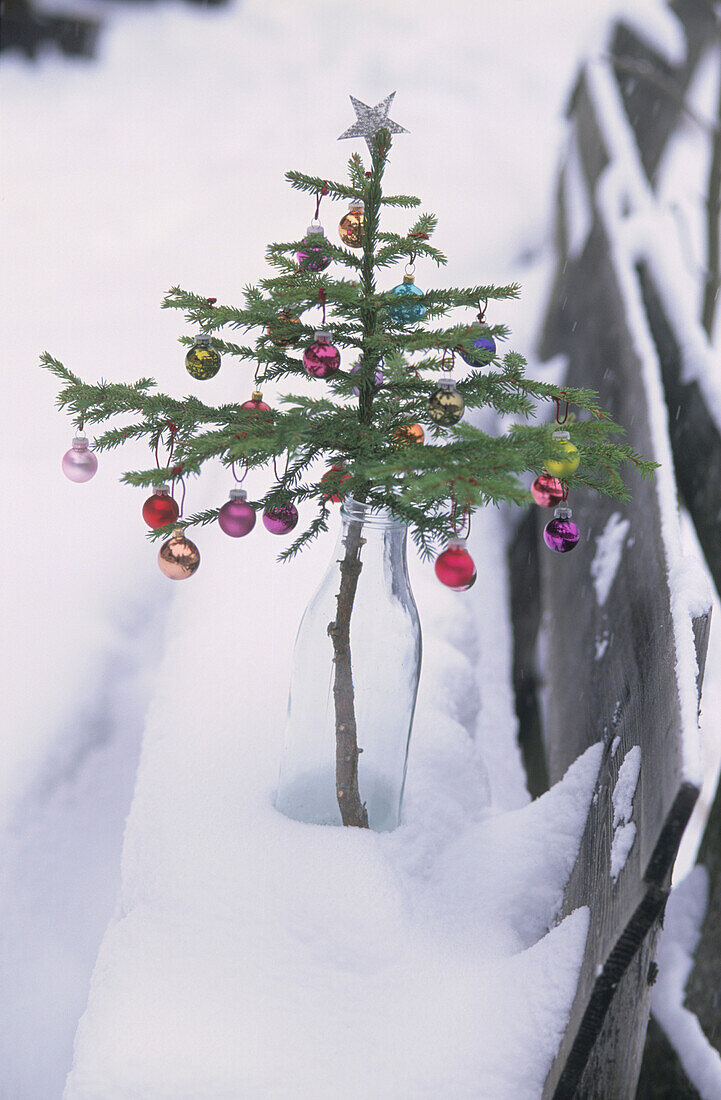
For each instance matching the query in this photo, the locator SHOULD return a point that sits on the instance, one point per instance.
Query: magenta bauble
(256, 403)
(321, 358)
(79, 463)
(280, 520)
(313, 256)
(560, 533)
(455, 567)
(236, 518)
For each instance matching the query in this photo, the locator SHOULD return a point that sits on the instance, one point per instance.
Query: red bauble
(547, 491)
(160, 509)
(256, 403)
(333, 478)
(455, 568)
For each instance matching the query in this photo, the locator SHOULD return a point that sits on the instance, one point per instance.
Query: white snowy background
(151, 900)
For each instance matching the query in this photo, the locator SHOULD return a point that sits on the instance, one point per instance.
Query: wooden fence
(604, 638)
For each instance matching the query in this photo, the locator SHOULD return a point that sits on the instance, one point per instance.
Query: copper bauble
(280, 330)
(178, 558)
(409, 433)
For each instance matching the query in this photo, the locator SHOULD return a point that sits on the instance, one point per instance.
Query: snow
(624, 830)
(625, 786)
(609, 547)
(245, 947)
(682, 928)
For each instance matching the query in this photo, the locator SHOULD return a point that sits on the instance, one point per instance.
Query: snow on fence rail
(622, 624)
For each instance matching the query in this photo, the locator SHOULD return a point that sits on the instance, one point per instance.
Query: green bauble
(202, 361)
(445, 405)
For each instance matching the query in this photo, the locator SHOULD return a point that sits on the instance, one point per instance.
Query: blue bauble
(407, 310)
(486, 350)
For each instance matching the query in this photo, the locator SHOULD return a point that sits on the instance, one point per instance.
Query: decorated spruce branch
(376, 415)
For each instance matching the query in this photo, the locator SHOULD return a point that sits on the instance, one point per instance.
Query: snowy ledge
(256, 956)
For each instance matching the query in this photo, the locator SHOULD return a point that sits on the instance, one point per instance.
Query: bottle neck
(372, 519)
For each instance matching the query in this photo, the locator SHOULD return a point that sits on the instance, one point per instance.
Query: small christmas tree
(385, 427)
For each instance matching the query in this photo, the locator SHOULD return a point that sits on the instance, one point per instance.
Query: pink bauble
(321, 358)
(236, 518)
(79, 463)
(281, 520)
(547, 491)
(455, 567)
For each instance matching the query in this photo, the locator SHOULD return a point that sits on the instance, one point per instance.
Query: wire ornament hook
(448, 361)
(240, 480)
(558, 409)
(320, 194)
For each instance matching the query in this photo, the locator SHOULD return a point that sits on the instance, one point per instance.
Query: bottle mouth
(356, 512)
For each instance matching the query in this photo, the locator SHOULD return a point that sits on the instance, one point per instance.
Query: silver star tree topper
(369, 120)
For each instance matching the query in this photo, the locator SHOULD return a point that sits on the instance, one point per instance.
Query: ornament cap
(562, 512)
(446, 383)
(561, 435)
(456, 543)
(80, 443)
(408, 278)
(357, 206)
(316, 229)
(162, 489)
(203, 338)
(177, 533)
(321, 337)
(238, 494)
(256, 395)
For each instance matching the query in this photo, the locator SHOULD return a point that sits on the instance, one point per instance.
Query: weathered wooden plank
(694, 431)
(703, 992)
(610, 672)
(525, 617)
(652, 89)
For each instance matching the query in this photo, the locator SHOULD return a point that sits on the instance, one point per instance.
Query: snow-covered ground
(246, 950)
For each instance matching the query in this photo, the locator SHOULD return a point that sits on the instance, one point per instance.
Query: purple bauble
(486, 350)
(320, 358)
(378, 378)
(236, 518)
(79, 463)
(281, 520)
(313, 256)
(560, 533)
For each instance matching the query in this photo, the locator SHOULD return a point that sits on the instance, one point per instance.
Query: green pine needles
(352, 423)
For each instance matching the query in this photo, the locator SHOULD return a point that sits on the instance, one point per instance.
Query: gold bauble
(445, 405)
(202, 361)
(566, 460)
(178, 558)
(351, 226)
